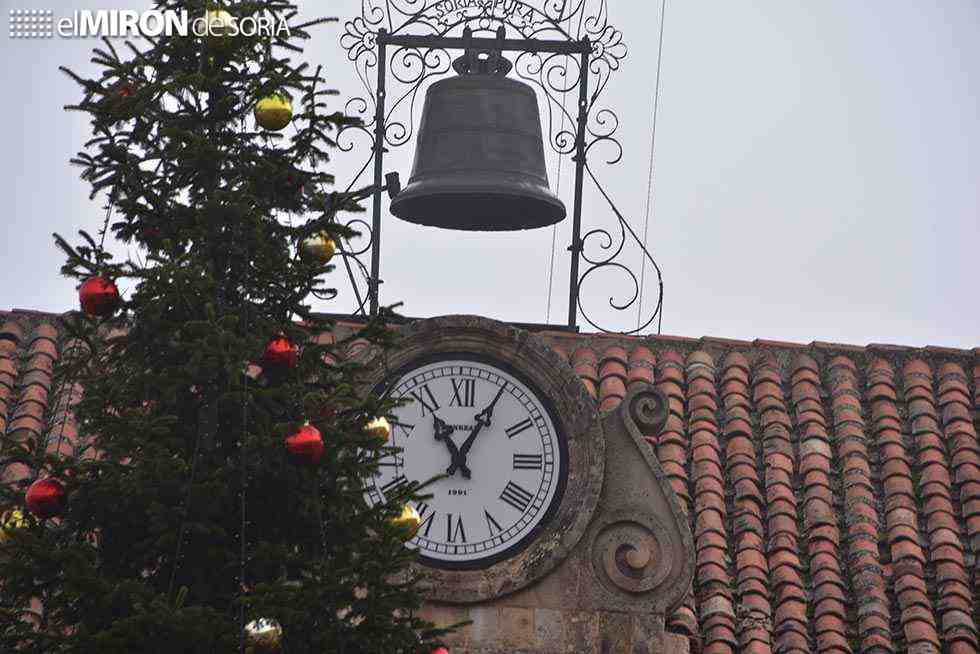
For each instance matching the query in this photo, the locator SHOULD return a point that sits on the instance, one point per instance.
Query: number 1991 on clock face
(494, 438)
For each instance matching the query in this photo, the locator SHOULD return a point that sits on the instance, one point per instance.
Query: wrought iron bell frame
(416, 35)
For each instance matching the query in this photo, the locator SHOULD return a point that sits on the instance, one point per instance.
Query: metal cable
(554, 229)
(653, 140)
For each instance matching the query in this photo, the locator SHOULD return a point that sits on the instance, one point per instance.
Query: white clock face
(495, 438)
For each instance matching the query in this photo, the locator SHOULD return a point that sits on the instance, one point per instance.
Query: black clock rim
(481, 564)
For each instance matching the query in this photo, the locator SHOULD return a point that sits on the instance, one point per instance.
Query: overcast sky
(817, 168)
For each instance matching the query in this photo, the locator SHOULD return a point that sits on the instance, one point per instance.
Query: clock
(514, 434)
(493, 436)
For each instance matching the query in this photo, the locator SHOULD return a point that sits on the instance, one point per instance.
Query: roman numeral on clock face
(392, 461)
(405, 427)
(426, 525)
(464, 391)
(451, 534)
(491, 523)
(516, 496)
(527, 461)
(425, 398)
(395, 486)
(514, 430)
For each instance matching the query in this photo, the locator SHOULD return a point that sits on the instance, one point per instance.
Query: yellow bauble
(273, 112)
(220, 28)
(219, 23)
(379, 429)
(318, 248)
(12, 521)
(407, 522)
(263, 636)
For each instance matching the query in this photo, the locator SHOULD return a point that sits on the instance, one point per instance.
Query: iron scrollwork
(405, 69)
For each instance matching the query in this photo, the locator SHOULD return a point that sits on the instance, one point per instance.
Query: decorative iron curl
(412, 67)
(610, 262)
(555, 75)
(602, 128)
(367, 230)
(352, 256)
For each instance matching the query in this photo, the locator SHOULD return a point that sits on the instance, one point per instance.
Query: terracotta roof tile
(961, 439)
(861, 516)
(584, 364)
(791, 625)
(11, 330)
(754, 625)
(642, 365)
(29, 404)
(942, 528)
(717, 613)
(819, 514)
(908, 559)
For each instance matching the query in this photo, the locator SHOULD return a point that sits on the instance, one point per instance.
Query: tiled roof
(833, 491)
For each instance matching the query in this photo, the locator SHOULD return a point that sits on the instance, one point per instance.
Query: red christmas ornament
(125, 90)
(280, 352)
(46, 498)
(305, 445)
(439, 650)
(98, 296)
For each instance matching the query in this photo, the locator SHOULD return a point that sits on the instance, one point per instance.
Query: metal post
(379, 138)
(576, 247)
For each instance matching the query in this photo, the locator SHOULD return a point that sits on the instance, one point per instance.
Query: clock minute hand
(482, 420)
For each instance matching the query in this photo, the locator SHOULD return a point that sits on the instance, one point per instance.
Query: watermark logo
(31, 23)
(128, 23)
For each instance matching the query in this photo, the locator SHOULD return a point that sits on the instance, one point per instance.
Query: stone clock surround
(617, 555)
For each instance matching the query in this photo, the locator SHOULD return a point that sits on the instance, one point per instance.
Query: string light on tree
(263, 636)
(379, 430)
(12, 521)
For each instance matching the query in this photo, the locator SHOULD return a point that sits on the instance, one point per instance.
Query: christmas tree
(212, 501)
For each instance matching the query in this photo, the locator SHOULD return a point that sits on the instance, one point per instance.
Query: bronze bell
(479, 161)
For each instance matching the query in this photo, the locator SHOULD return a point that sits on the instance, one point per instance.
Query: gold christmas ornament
(318, 248)
(273, 112)
(263, 636)
(407, 523)
(10, 522)
(379, 429)
(219, 23)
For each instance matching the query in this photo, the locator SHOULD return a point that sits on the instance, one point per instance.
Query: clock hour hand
(444, 433)
(482, 420)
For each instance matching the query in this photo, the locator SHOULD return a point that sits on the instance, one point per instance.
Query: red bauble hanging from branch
(46, 498)
(280, 353)
(305, 445)
(98, 296)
